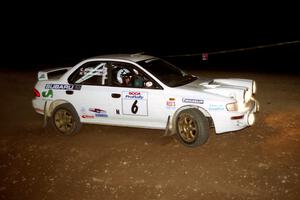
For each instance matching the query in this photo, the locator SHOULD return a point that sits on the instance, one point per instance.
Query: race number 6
(134, 107)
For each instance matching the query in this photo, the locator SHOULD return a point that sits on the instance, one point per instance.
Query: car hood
(231, 87)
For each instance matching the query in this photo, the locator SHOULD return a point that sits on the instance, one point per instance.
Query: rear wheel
(65, 119)
(192, 127)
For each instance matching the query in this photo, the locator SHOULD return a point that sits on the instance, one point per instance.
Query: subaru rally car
(143, 91)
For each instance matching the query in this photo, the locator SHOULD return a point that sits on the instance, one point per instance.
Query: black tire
(65, 119)
(192, 127)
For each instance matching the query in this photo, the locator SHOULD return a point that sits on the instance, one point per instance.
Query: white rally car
(143, 91)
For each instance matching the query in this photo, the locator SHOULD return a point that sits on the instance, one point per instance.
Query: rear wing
(56, 73)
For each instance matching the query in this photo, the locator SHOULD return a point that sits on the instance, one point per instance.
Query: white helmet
(121, 74)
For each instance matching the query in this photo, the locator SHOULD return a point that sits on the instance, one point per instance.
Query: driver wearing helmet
(123, 77)
(127, 78)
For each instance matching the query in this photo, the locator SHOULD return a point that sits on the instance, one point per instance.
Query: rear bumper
(38, 105)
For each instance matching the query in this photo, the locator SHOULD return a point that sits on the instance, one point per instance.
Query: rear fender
(51, 106)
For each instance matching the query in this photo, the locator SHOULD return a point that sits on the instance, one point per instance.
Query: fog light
(251, 119)
(254, 87)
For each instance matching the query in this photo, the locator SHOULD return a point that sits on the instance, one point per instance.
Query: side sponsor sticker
(63, 87)
(213, 107)
(190, 100)
(171, 103)
(87, 116)
(98, 112)
(48, 93)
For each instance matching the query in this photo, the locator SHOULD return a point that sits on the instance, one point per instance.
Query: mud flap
(45, 115)
(167, 127)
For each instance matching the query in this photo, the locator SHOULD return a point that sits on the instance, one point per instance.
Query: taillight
(36, 92)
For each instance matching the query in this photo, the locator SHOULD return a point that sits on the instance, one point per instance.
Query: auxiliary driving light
(251, 119)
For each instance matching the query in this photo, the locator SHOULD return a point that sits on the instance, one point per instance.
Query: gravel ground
(105, 162)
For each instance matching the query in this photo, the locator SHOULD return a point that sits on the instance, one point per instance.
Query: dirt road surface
(104, 162)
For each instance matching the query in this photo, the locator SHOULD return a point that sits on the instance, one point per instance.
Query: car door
(140, 102)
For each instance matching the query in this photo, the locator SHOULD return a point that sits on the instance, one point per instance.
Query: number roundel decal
(135, 103)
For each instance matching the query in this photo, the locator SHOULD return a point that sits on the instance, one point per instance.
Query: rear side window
(90, 73)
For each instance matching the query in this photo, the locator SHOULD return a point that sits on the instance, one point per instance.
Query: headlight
(254, 87)
(232, 107)
(248, 95)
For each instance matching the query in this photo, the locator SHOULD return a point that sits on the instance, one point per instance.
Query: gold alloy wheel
(63, 120)
(187, 127)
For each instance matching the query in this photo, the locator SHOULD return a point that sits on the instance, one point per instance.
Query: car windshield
(166, 72)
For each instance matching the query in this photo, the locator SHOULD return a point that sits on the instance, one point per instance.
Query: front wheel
(192, 127)
(65, 119)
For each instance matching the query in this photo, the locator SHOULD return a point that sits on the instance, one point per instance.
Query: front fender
(172, 124)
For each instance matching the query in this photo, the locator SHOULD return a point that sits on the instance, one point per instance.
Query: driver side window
(125, 75)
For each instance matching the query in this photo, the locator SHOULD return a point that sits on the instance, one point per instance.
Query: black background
(54, 35)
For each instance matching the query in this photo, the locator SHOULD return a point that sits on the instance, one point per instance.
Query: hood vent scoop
(210, 84)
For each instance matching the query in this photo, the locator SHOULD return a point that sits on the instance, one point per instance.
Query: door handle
(115, 95)
(69, 92)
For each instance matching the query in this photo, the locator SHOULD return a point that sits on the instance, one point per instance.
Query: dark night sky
(59, 37)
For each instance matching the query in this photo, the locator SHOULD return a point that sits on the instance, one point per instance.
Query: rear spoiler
(43, 75)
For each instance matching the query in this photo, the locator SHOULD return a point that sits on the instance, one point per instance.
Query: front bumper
(249, 117)
(233, 121)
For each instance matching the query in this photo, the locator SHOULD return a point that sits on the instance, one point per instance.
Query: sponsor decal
(87, 116)
(171, 103)
(98, 112)
(187, 100)
(48, 93)
(133, 95)
(63, 87)
(213, 107)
